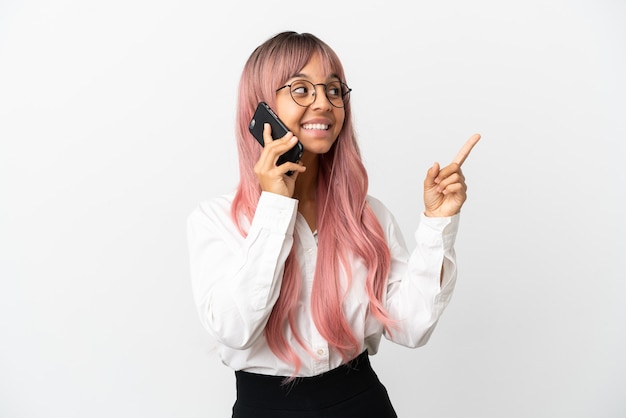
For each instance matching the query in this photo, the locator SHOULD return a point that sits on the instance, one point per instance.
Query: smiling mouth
(316, 126)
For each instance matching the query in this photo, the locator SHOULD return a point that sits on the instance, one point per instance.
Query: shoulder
(212, 210)
(384, 215)
(377, 205)
(388, 223)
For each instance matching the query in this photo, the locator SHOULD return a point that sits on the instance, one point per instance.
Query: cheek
(289, 116)
(339, 124)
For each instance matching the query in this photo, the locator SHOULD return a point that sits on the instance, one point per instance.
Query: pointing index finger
(465, 151)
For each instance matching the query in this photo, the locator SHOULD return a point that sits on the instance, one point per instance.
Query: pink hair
(347, 226)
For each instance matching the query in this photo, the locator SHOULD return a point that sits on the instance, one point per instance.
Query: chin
(317, 145)
(318, 148)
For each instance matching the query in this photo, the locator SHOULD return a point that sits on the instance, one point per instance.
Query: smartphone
(264, 114)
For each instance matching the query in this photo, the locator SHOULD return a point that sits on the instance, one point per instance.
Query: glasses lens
(336, 93)
(345, 92)
(303, 92)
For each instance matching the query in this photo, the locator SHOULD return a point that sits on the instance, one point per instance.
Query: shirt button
(309, 251)
(320, 352)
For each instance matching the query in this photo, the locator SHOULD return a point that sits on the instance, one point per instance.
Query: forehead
(316, 69)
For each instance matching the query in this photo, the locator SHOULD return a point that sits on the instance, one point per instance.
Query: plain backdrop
(117, 119)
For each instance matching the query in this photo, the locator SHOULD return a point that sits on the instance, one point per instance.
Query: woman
(299, 273)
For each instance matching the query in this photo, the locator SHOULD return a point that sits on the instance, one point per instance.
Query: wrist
(430, 214)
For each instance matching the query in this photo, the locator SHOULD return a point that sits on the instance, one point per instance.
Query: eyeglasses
(303, 92)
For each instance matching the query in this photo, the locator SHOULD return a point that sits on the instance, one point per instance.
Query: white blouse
(236, 282)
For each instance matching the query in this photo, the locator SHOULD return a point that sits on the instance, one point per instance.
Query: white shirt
(237, 280)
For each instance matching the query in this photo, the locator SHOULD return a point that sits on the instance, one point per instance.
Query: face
(318, 125)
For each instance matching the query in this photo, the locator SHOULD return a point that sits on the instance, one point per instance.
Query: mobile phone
(264, 114)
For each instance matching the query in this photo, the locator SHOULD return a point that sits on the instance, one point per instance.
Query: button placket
(322, 362)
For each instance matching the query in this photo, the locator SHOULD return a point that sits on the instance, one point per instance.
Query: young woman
(299, 273)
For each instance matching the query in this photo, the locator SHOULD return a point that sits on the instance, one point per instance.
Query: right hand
(273, 178)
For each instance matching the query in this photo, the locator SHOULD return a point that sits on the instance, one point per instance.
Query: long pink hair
(347, 226)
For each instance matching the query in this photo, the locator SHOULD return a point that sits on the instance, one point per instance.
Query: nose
(320, 100)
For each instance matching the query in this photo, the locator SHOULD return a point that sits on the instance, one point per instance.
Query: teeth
(315, 126)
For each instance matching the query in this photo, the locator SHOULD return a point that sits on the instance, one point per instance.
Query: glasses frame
(343, 95)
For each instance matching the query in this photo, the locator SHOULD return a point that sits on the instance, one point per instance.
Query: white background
(117, 118)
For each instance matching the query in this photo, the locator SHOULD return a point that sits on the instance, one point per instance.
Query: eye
(333, 89)
(300, 88)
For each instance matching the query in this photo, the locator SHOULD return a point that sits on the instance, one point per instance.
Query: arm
(236, 280)
(420, 284)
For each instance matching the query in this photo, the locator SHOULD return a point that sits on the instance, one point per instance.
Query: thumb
(431, 175)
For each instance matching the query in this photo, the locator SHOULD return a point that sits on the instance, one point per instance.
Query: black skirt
(351, 390)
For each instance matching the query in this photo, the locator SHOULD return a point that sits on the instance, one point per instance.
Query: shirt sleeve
(420, 284)
(235, 279)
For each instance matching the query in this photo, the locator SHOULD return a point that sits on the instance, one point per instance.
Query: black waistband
(263, 391)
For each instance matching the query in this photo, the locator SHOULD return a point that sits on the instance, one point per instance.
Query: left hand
(445, 190)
